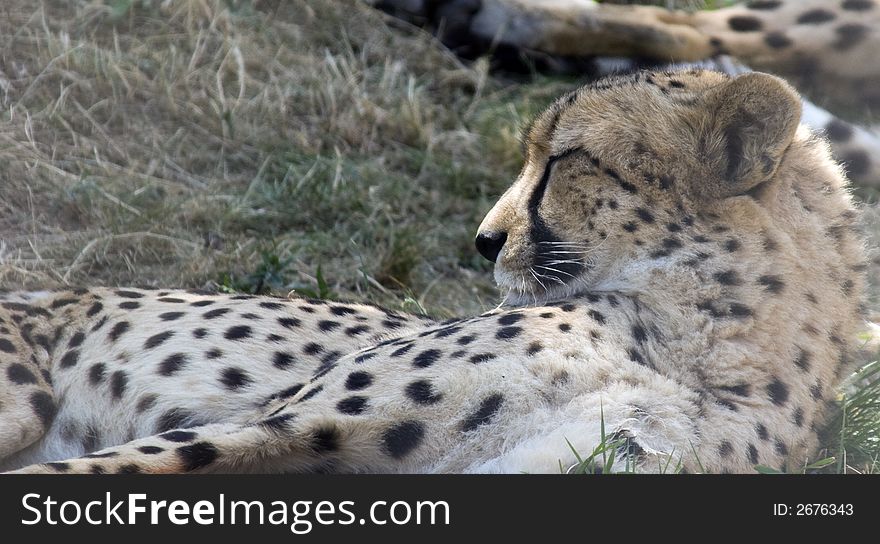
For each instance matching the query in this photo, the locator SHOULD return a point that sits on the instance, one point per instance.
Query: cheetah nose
(489, 244)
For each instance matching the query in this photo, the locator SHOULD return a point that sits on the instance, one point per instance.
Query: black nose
(489, 244)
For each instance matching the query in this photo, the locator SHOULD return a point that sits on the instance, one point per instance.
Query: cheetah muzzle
(679, 263)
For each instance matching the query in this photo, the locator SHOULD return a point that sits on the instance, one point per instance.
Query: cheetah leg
(592, 29)
(27, 404)
(274, 445)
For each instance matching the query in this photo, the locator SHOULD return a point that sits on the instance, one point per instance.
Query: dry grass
(193, 143)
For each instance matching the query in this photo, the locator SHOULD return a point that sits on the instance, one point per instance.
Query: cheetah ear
(750, 122)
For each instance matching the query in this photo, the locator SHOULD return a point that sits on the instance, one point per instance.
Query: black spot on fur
(328, 326)
(171, 316)
(178, 436)
(357, 330)
(725, 449)
(145, 403)
(353, 405)
(598, 317)
(815, 17)
(20, 375)
(172, 363)
(732, 245)
(777, 40)
(288, 392)
(171, 300)
(129, 305)
(484, 413)
(118, 384)
(741, 390)
(772, 283)
(157, 339)
(481, 358)
(802, 361)
(215, 313)
(857, 5)
(314, 391)
(150, 450)
(234, 378)
(43, 406)
(510, 319)
(728, 277)
(422, 392)
(762, 432)
(639, 334)
(645, 215)
(201, 303)
(325, 440)
(238, 332)
(76, 340)
(778, 392)
(426, 358)
(798, 417)
(358, 380)
(196, 456)
(282, 359)
(850, 35)
(129, 294)
(402, 350)
(744, 23)
(465, 340)
(94, 309)
(69, 359)
(507, 333)
(118, 330)
(313, 349)
(764, 4)
(402, 438)
(364, 357)
(753, 454)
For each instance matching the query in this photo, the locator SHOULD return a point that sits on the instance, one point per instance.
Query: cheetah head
(613, 169)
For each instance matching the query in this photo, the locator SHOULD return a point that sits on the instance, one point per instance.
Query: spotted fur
(680, 265)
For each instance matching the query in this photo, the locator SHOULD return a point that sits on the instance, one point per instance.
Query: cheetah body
(682, 274)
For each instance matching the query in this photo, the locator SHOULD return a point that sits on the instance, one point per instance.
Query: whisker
(554, 278)
(554, 270)
(564, 261)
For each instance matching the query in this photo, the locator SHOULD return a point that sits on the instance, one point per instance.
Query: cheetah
(826, 49)
(681, 270)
